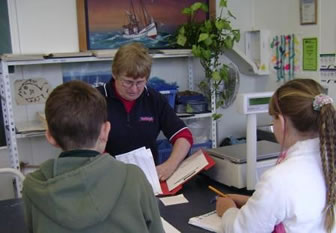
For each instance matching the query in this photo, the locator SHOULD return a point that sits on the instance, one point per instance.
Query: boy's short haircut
(132, 60)
(75, 112)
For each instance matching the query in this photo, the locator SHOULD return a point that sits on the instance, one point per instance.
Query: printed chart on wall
(328, 73)
(309, 56)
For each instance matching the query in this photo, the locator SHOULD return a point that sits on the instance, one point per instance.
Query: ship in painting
(139, 25)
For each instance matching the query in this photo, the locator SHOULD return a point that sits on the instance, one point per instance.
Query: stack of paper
(69, 54)
(210, 221)
(143, 158)
(105, 53)
(21, 57)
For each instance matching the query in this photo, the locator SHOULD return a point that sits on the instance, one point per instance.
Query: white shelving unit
(8, 100)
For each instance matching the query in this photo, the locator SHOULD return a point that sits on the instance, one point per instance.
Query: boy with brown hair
(83, 190)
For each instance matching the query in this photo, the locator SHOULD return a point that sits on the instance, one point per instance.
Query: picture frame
(308, 12)
(97, 31)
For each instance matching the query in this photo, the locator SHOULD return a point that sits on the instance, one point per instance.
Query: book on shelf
(42, 118)
(191, 166)
(69, 55)
(106, 53)
(21, 57)
(209, 221)
(30, 126)
(176, 51)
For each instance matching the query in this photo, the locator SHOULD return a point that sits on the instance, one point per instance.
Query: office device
(240, 165)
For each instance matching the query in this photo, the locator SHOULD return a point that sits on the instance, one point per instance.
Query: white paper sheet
(209, 221)
(143, 158)
(168, 227)
(174, 200)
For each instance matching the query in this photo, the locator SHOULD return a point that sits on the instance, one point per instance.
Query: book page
(168, 227)
(188, 168)
(143, 158)
(209, 221)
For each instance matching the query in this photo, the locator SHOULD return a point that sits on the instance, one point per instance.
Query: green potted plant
(208, 40)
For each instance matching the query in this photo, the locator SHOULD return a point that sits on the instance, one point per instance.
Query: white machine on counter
(240, 165)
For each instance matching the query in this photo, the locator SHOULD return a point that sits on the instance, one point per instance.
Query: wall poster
(309, 55)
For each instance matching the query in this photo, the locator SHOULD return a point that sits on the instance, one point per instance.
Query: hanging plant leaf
(186, 11)
(223, 3)
(181, 39)
(236, 35)
(203, 36)
(216, 116)
(231, 15)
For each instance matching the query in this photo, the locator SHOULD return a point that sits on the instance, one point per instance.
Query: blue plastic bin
(164, 149)
(170, 95)
(196, 147)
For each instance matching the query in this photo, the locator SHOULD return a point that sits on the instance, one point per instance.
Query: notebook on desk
(191, 166)
(209, 221)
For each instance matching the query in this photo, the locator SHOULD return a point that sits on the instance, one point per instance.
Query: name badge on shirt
(146, 119)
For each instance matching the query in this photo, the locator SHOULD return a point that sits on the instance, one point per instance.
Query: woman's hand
(223, 204)
(165, 170)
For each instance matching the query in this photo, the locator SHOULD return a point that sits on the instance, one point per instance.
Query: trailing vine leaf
(231, 15)
(189, 109)
(216, 116)
(223, 3)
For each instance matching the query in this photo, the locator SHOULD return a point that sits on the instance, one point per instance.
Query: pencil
(217, 191)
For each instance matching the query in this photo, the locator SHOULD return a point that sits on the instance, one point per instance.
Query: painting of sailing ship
(112, 23)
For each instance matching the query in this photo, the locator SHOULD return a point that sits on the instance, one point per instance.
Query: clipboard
(189, 174)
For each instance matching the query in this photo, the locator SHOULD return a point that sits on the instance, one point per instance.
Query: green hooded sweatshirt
(90, 194)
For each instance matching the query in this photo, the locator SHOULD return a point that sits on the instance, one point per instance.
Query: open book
(143, 158)
(209, 221)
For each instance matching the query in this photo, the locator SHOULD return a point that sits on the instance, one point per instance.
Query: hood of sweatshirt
(76, 193)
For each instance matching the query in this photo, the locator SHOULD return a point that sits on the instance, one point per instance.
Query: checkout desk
(195, 191)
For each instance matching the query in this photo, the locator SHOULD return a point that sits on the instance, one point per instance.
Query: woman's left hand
(165, 170)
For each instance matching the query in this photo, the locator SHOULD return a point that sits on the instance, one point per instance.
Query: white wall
(43, 26)
(328, 26)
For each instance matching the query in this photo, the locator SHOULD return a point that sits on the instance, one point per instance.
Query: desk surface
(196, 191)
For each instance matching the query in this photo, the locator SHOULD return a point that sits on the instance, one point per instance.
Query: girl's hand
(223, 204)
(240, 200)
